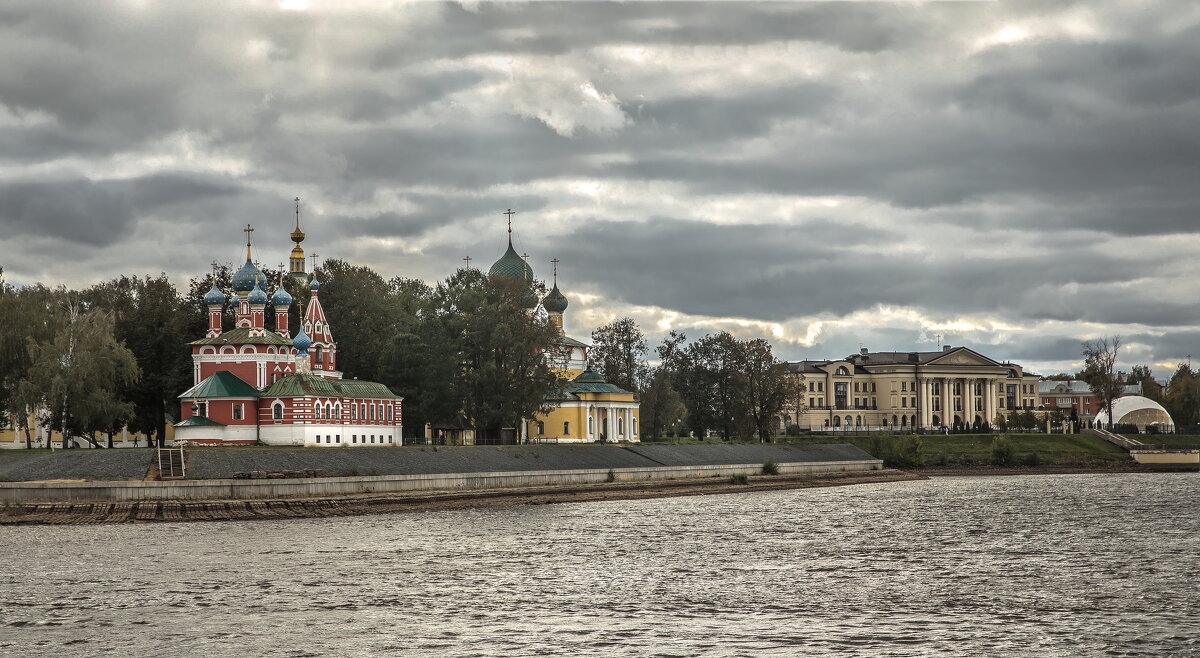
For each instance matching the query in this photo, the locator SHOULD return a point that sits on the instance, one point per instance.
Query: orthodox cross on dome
(297, 213)
(214, 270)
(525, 257)
(510, 212)
(314, 257)
(248, 231)
(467, 260)
(556, 262)
(939, 340)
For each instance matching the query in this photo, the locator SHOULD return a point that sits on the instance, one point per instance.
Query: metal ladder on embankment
(171, 464)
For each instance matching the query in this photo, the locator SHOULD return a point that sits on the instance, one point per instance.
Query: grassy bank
(978, 449)
(1167, 440)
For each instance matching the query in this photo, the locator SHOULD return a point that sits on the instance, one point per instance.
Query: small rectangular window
(567, 428)
(237, 412)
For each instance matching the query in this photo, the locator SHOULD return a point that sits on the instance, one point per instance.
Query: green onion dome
(512, 266)
(589, 376)
(246, 277)
(529, 299)
(214, 297)
(555, 302)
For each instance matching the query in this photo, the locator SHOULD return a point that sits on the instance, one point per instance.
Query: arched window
(372, 412)
(885, 422)
(894, 419)
(337, 411)
(858, 421)
(328, 411)
(837, 421)
(904, 421)
(317, 358)
(635, 426)
(841, 370)
(390, 413)
(591, 425)
(277, 411)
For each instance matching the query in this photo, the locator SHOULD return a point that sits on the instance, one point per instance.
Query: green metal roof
(241, 336)
(589, 381)
(512, 266)
(221, 384)
(199, 421)
(315, 386)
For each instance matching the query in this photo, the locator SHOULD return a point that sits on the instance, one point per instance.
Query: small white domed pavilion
(1137, 410)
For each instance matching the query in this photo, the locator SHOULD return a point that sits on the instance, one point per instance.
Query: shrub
(1002, 451)
(740, 478)
(611, 477)
(793, 430)
(770, 467)
(1032, 459)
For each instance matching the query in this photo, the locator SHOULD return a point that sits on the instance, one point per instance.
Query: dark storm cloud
(95, 213)
(773, 272)
(399, 121)
(434, 211)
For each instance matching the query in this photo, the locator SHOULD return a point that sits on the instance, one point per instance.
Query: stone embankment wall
(21, 492)
(449, 469)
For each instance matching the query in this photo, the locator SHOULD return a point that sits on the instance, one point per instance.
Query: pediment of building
(963, 357)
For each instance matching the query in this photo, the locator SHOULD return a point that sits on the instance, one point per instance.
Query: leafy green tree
(489, 351)
(1144, 376)
(148, 315)
(661, 406)
(74, 380)
(619, 353)
(28, 319)
(768, 386)
(1100, 368)
(1182, 399)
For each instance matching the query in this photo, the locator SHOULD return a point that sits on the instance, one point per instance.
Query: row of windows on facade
(541, 427)
(337, 438)
(842, 387)
(333, 411)
(325, 412)
(911, 402)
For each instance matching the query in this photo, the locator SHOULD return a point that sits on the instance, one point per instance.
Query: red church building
(254, 385)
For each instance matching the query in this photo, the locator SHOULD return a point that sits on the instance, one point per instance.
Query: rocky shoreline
(239, 510)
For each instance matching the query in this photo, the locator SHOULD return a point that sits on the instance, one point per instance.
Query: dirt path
(225, 510)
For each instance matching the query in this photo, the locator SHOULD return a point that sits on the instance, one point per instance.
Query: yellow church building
(586, 409)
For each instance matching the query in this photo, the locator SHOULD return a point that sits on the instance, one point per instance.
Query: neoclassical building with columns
(906, 390)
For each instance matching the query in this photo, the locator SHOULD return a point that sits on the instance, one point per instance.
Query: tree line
(465, 350)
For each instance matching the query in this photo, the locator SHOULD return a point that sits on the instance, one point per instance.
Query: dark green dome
(529, 299)
(512, 266)
(589, 376)
(555, 302)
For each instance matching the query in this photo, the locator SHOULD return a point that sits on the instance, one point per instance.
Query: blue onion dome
(257, 296)
(512, 266)
(529, 299)
(281, 297)
(301, 342)
(315, 285)
(246, 277)
(555, 302)
(214, 297)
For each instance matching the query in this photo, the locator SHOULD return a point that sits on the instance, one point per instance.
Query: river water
(1027, 565)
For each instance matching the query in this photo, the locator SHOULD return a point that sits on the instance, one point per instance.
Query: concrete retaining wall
(27, 492)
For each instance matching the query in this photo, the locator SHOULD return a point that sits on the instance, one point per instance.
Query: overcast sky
(1014, 176)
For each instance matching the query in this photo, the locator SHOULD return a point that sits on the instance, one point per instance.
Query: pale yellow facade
(904, 390)
(12, 437)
